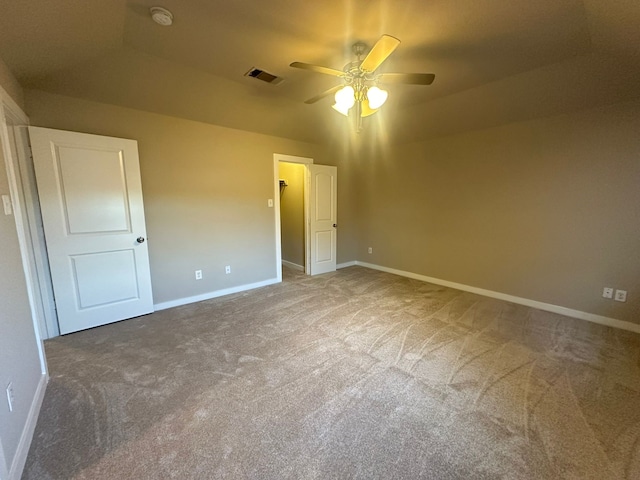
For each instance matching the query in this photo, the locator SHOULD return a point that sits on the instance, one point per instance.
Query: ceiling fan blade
(407, 78)
(317, 68)
(379, 53)
(326, 93)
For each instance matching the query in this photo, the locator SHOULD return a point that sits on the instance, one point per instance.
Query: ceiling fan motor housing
(358, 49)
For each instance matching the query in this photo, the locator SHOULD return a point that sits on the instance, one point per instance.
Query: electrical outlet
(370, 250)
(10, 398)
(198, 274)
(607, 292)
(621, 296)
(227, 269)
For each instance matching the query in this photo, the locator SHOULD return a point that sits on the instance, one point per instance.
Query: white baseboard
(292, 265)
(346, 264)
(218, 293)
(569, 312)
(20, 458)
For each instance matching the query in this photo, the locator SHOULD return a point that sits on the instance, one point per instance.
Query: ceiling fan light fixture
(360, 78)
(345, 98)
(338, 108)
(365, 109)
(376, 97)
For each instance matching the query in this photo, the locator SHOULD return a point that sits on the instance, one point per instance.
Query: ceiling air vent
(264, 76)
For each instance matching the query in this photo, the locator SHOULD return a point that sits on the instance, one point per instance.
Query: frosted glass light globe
(345, 98)
(376, 97)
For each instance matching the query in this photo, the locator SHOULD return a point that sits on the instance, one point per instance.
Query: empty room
(336, 240)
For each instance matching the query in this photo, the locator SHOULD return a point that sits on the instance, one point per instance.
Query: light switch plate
(621, 296)
(6, 204)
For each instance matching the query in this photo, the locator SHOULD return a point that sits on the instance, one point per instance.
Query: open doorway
(319, 193)
(292, 218)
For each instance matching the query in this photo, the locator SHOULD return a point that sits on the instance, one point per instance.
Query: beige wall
(547, 210)
(349, 222)
(292, 213)
(205, 189)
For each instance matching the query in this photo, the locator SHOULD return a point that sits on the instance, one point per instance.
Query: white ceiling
(495, 61)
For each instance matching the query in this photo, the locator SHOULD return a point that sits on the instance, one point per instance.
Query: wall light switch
(607, 292)
(270, 202)
(6, 204)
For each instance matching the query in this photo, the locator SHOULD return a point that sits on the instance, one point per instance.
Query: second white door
(323, 218)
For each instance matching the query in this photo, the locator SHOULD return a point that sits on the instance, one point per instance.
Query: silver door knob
(140, 239)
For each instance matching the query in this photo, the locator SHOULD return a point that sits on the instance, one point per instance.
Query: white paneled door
(323, 217)
(91, 200)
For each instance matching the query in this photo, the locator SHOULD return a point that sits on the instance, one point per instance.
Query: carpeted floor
(356, 374)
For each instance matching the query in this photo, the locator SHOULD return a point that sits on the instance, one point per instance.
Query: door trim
(38, 260)
(277, 158)
(9, 109)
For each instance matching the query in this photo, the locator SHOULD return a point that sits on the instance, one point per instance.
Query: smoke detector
(161, 16)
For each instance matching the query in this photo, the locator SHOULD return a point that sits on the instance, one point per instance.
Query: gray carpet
(356, 374)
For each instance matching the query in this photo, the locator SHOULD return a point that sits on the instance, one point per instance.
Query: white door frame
(38, 260)
(11, 112)
(277, 158)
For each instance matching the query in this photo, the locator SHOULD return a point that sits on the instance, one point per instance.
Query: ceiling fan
(360, 80)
